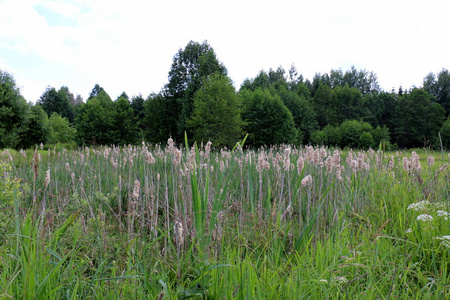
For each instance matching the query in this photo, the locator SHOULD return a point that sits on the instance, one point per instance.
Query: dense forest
(344, 109)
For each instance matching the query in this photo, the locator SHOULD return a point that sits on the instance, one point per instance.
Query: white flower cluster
(445, 240)
(419, 206)
(444, 214)
(424, 218)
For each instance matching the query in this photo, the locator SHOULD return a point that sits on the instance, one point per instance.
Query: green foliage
(159, 121)
(216, 115)
(138, 106)
(417, 120)
(125, 125)
(190, 67)
(324, 106)
(58, 102)
(353, 134)
(14, 112)
(38, 128)
(268, 121)
(445, 134)
(61, 131)
(439, 86)
(94, 121)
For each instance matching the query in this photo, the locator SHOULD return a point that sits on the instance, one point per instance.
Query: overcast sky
(129, 45)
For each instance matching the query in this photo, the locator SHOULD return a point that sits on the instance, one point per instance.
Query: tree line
(345, 109)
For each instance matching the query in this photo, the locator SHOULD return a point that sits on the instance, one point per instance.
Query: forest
(339, 108)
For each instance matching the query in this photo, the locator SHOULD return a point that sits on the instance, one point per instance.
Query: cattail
(47, 178)
(307, 180)
(136, 189)
(430, 160)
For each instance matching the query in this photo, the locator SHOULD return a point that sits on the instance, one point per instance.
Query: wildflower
(42, 146)
(441, 213)
(424, 218)
(409, 230)
(307, 180)
(136, 189)
(421, 205)
(445, 240)
(341, 280)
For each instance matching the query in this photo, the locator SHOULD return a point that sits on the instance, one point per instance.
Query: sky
(129, 45)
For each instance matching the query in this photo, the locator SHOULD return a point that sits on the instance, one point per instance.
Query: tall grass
(173, 222)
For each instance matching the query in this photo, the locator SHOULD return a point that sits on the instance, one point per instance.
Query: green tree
(439, 86)
(94, 122)
(324, 106)
(348, 103)
(37, 129)
(216, 115)
(124, 124)
(445, 134)
(190, 67)
(138, 106)
(57, 101)
(268, 121)
(302, 112)
(159, 121)
(417, 119)
(14, 112)
(61, 131)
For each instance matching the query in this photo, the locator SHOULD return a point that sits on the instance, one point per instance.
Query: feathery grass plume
(149, 159)
(207, 149)
(307, 180)
(287, 159)
(136, 189)
(177, 157)
(179, 236)
(430, 160)
(406, 164)
(329, 164)
(47, 178)
(415, 162)
(300, 165)
(336, 159)
(170, 145)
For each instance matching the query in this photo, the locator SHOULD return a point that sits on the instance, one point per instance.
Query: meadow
(179, 221)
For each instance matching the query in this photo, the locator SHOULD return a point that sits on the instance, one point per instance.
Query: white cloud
(129, 45)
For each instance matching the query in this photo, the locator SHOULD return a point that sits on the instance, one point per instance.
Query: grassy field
(169, 222)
